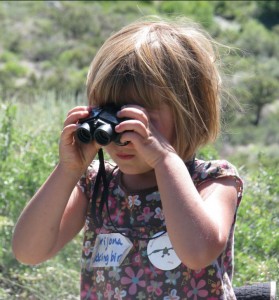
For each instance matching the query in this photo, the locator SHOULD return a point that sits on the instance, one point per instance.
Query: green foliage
(256, 90)
(28, 152)
(78, 58)
(268, 12)
(55, 279)
(13, 68)
(200, 11)
(257, 40)
(6, 131)
(208, 153)
(232, 10)
(7, 56)
(26, 157)
(257, 236)
(58, 39)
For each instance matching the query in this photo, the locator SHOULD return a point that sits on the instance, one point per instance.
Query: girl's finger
(75, 116)
(79, 108)
(134, 126)
(134, 138)
(134, 112)
(67, 133)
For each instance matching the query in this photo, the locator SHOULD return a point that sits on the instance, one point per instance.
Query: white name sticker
(161, 253)
(110, 250)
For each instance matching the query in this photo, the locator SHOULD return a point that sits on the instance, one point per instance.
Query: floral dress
(145, 266)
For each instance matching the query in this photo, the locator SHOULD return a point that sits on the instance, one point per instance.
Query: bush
(200, 11)
(257, 235)
(28, 153)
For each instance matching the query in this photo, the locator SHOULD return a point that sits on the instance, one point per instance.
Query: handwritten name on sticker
(110, 250)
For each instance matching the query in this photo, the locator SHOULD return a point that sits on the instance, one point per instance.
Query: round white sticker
(161, 253)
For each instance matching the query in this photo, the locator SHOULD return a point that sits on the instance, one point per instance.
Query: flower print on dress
(108, 292)
(133, 279)
(118, 192)
(172, 295)
(217, 288)
(86, 264)
(196, 292)
(86, 225)
(81, 186)
(155, 287)
(87, 249)
(125, 204)
(111, 202)
(115, 273)
(224, 164)
(86, 293)
(143, 243)
(218, 273)
(119, 294)
(152, 276)
(153, 272)
(141, 296)
(211, 272)
(209, 170)
(89, 235)
(159, 214)
(187, 275)
(134, 201)
(100, 276)
(118, 217)
(199, 273)
(136, 259)
(146, 215)
(154, 196)
(172, 277)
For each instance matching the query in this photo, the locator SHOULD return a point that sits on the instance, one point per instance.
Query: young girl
(160, 223)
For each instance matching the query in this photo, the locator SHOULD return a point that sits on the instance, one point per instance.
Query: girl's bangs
(122, 89)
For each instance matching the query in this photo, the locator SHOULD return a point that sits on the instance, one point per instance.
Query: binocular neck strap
(101, 176)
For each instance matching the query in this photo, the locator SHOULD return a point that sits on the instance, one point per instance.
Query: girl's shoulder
(214, 169)
(87, 180)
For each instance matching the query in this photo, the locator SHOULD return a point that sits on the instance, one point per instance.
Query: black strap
(101, 175)
(191, 166)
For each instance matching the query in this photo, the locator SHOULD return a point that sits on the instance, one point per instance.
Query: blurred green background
(45, 51)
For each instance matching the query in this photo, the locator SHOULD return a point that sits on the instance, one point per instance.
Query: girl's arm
(56, 213)
(198, 222)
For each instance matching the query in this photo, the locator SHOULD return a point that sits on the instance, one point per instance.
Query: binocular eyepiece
(99, 126)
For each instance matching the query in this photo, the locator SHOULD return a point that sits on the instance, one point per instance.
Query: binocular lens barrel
(84, 134)
(104, 134)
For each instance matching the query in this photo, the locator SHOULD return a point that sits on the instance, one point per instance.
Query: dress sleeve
(215, 169)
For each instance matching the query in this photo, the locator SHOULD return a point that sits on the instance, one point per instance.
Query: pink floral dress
(133, 274)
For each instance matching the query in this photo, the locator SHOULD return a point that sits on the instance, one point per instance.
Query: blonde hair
(155, 62)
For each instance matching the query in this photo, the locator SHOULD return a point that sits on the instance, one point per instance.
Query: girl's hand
(151, 132)
(74, 155)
